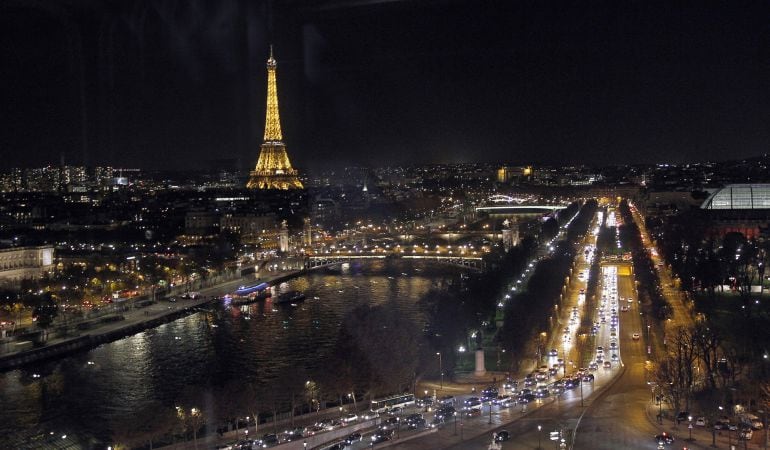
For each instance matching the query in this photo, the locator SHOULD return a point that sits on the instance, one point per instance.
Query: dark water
(83, 395)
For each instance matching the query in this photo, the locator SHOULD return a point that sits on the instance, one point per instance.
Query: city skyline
(138, 84)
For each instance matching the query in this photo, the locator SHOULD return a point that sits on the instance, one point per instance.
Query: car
(472, 412)
(350, 418)
(312, 430)
(719, 424)
(526, 398)
(682, 416)
(503, 401)
(636, 336)
(589, 378)
(472, 401)
(337, 446)
(571, 383)
(353, 437)
(416, 423)
(381, 436)
(700, 422)
(389, 423)
(396, 410)
(447, 400)
(444, 412)
(553, 352)
(293, 434)
(614, 356)
(664, 438)
(269, 440)
(502, 436)
(413, 417)
(607, 365)
(330, 424)
(245, 444)
(424, 401)
(510, 384)
(490, 392)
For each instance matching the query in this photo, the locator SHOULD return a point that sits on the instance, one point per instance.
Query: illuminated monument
(273, 170)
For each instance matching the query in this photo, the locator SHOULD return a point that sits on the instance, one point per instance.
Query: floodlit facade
(739, 196)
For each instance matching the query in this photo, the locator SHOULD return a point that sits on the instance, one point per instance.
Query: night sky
(181, 84)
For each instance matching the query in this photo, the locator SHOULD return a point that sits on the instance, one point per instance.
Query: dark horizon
(163, 86)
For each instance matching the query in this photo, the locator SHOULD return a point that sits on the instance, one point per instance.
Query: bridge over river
(324, 260)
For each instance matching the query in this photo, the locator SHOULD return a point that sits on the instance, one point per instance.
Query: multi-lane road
(616, 410)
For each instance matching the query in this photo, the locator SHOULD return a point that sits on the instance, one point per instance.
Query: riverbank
(135, 319)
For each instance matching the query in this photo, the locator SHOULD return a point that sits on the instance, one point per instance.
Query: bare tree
(684, 355)
(667, 376)
(708, 342)
(254, 400)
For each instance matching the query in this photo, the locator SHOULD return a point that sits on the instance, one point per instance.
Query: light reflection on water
(203, 350)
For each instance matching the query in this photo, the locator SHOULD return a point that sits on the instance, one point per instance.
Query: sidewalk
(134, 320)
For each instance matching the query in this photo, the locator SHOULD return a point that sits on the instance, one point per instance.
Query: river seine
(84, 395)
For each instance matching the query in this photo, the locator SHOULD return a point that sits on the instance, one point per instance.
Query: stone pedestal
(480, 370)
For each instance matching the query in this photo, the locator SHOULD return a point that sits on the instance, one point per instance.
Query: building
(742, 208)
(19, 263)
(273, 170)
(507, 174)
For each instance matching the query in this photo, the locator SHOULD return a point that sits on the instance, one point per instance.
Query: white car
(635, 336)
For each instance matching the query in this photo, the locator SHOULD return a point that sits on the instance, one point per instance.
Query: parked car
(700, 422)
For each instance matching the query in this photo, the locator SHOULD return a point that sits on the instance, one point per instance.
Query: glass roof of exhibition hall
(739, 196)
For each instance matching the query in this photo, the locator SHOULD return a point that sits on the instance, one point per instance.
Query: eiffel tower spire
(273, 170)
(272, 117)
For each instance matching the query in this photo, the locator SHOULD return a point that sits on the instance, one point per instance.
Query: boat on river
(250, 294)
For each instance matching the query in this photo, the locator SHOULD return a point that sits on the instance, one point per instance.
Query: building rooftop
(739, 196)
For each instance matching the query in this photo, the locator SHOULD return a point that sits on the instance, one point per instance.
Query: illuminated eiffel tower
(273, 170)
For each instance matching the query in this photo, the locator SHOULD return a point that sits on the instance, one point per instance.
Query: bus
(396, 401)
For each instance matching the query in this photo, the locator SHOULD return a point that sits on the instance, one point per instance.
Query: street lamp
(440, 369)
(455, 414)
(539, 435)
(689, 426)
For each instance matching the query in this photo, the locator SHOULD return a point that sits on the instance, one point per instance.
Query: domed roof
(739, 196)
